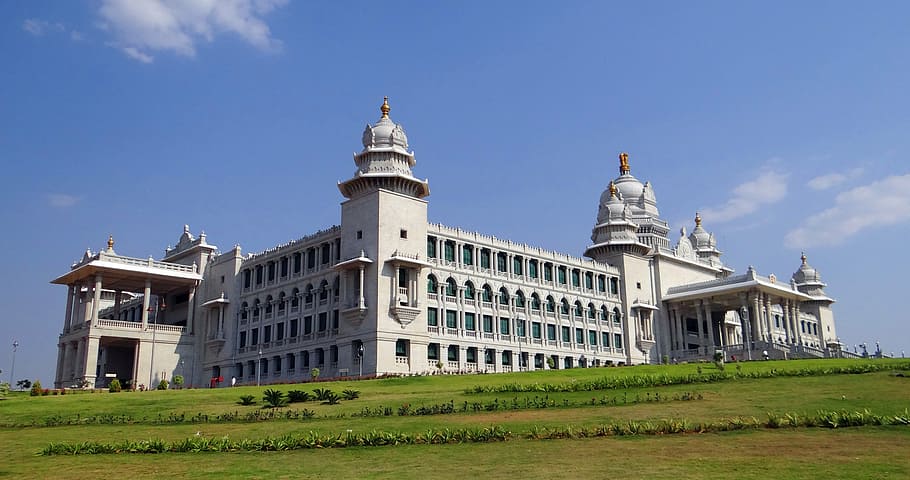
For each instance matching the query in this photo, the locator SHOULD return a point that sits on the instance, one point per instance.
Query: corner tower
(383, 234)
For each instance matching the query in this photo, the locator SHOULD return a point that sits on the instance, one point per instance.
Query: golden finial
(624, 163)
(697, 219)
(110, 242)
(612, 189)
(803, 258)
(385, 107)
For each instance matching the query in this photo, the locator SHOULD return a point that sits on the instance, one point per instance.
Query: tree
(315, 374)
(36, 388)
(24, 384)
(177, 381)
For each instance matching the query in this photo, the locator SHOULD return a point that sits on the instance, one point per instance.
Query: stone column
(799, 331)
(768, 314)
(58, 375)
(79, 367)
(146, 299)
(756, 318)
(96, 301)
(700, 317)
(68, 319)
(191, 313)
(91, 359)
(710, 327)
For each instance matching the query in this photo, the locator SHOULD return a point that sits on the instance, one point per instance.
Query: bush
(162, 385)
(114, 387)
(274, 398)
(247, 400)
(296, 396)
(315, 374)
(36, 388)
(350, 394)
(4, 390)
(178, 381)
(322, 393)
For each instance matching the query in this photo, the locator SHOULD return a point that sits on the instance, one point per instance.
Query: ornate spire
(624, 163)
(612, 189)
(803, 258)
(385, 108)
(697, 219)
(110, 242)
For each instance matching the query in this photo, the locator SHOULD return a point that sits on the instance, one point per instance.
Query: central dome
(385, 134)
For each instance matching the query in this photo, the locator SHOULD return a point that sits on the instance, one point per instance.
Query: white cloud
(878, 204)
(38, 27)
(824, 182)
(177, 25)
(62, 200)
(137, 55)
(769, 187)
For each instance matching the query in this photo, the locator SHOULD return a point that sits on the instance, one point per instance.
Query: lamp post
(259, 367)
(12, 369)
(360, 357)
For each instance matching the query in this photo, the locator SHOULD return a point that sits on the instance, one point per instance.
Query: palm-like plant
(274, 398)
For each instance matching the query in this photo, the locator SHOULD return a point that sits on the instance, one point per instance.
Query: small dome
(700, 237)
(806, 274)
(385, 133)
(613, 208)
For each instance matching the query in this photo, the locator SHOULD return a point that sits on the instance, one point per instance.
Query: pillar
(700, 317)
(91, 359)
(710, 327)
(146, 299)
(756, 318)
(96, 301)
(58, 375)
(68, 318)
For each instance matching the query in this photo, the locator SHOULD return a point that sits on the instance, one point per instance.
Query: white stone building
(386, 292)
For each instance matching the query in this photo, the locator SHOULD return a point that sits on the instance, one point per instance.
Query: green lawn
(861, 452)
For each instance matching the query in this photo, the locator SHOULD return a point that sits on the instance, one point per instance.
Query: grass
(865, 452)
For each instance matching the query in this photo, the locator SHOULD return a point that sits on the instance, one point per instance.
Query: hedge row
(665, 379)
(310, 440)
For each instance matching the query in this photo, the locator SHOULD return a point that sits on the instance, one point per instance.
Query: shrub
(315, 374)
(4, 390)
(350, 394)
(322, 393)
(274, 398)
(332, 399)
(247, 400)
(295, 396)
(178, 381)
(36, 388)
(162, 385)
(114, 387)
(665, 359)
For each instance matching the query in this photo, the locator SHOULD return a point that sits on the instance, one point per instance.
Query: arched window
(295, 298)
(335, 286)
(564, 307)
(451, 287)
(268, 305)
(323, 290)
(244, 310)
(592, 312)
(469, 291)
(617, 315)
(432, 284)
(519, 299)
(551, 304)
(308, 296)
(281, 304)
(604, 313)
(256, 308)
(535, 301)
(579, 310)
(503, 296)
(487, 293)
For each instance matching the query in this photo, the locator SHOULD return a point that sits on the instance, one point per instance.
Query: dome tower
(385, 161)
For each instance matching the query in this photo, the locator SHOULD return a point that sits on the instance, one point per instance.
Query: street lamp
(13, 366)
(360, 357)
(159, 306)
(259, 367)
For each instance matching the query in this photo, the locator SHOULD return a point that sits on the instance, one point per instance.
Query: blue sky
(784, 124)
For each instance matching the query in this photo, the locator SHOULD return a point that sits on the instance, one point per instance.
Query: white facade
(386, 292)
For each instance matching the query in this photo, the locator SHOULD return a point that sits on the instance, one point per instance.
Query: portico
(117, 319)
